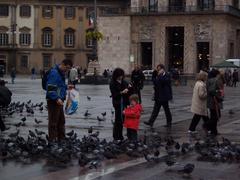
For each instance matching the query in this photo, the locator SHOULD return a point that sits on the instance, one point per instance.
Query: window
(47, 11)
(47, 61)
(177, 5)
(24, 61)
(206, 4)
(69, 38)
(25, 39)
(153, 5)
(47, 37)
(4, 10)
(89, 42)
(69, 12)
(25, 11)
(3, 39)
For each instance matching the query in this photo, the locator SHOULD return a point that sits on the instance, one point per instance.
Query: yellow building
(40, 33)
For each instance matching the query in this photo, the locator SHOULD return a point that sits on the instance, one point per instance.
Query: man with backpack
(54, 84)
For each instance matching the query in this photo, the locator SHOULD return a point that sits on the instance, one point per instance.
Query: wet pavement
(124, 167)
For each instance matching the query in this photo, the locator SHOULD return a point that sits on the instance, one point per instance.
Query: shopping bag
(72, 102)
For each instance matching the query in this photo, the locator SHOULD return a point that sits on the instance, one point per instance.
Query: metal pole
(95, 28)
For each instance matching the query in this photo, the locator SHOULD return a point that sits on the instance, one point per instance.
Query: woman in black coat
(120, 91)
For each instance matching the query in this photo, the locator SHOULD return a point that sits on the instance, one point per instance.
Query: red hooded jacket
(132, 117)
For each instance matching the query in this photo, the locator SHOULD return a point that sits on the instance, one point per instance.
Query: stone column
(189, 64)
(160, 53)
(37, 31)
(58, 33)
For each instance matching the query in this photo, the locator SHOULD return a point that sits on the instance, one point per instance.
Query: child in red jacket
(132, 117)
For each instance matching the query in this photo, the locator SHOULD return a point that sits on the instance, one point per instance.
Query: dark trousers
(214, 117)
(118, 124)
(156, 109)
(56, 121)
(195, 120)
(2, 125)
(132, 134)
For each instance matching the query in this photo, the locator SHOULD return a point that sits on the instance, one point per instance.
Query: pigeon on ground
(86, 114)
(37, 121)
(89, 98)
(187, 169)
(104, 114)
(100, 119)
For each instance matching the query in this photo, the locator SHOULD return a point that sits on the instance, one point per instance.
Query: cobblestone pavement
(124, 167)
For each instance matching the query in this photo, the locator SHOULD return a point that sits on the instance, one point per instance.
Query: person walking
(13, 75)
(120, 91)
(33, 73)
(235, 78)
(199, 102)
(55, 95)
(73, 76)
(162, 96)
(214, 100)
(132, 117)
(137, 79)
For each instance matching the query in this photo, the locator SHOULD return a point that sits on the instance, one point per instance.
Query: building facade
(188, 35)
(41, 33)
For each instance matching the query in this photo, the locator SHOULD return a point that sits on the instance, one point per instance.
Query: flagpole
(95, 28)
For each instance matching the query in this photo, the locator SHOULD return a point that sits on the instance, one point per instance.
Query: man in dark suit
(162, 95)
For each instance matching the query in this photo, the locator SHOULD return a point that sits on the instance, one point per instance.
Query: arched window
(47, 37)
(153, 5)
(3, 36)
(25, 36)
(69, 37)
(25, 11)
(177, 5)
(206, 4)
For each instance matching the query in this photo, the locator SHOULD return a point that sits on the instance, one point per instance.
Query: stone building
(40, 33)
(187, 35)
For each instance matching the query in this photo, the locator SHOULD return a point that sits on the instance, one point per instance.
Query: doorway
(146, 54)
(175, 47)
(203, 55)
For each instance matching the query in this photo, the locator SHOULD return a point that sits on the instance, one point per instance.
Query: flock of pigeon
(90, 150)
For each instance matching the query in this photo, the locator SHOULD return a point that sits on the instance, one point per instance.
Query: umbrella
(224, 64)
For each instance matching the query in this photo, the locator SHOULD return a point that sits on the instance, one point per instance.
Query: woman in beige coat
(199, 101)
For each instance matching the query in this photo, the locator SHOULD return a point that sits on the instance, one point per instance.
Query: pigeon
(28, 102)
(104, 114)
(187, 169)
(32, 134)
(41, 109)
(86, 114)
(70, 133)
(90, 130)
(23, 119)
(39, 133)
(100, 119)
(89, 98)
(169, 161)
(37, 121)
(13, 135)
(18, 124)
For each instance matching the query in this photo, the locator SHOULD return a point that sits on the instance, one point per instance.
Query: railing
(170, 10)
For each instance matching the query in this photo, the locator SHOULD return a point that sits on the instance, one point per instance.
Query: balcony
(171, 10)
